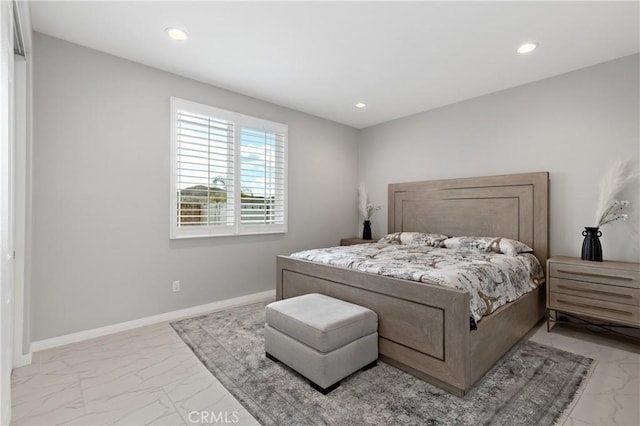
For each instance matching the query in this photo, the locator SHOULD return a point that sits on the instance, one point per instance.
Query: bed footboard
(423, 329)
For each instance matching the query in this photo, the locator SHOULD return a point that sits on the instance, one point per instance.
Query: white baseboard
(53, 342)
(22, 360)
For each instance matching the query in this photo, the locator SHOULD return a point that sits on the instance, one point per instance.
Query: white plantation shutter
(205, 157)
(228, 172)
(262, 177)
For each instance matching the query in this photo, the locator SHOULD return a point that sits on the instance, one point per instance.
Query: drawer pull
(590, 274)
(584, 305)
(606, 293)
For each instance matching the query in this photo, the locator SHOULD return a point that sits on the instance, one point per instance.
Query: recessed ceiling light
(176, 34)
(361, 105)
(527, 48)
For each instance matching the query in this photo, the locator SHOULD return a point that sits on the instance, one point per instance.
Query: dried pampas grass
(614, 180)
(363, 199)
(365, 208)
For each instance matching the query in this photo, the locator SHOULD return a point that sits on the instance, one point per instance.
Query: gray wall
(573, 125)
(101, 248)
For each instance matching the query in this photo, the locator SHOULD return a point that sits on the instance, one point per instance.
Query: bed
(424, 329)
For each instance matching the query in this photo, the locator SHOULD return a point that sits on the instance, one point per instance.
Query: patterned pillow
(488, 244)
(512, 247)
(414, 239)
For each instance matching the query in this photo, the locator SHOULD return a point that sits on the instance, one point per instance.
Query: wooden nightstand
(354, 240)
(608, 291)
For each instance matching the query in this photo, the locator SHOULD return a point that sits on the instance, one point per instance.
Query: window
(228, 173)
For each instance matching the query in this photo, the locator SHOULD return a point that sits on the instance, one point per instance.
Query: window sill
(244, 234)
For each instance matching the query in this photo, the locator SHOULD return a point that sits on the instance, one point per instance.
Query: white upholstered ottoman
(322, 338)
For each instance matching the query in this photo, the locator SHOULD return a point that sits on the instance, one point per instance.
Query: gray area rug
(532, 385)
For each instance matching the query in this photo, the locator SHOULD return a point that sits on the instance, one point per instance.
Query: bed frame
(425, 329)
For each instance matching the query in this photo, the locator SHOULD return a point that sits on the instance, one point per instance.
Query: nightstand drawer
(607, 292)
(601, 309)
(617, 277)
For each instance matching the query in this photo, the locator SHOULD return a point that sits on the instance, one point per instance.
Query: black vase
(591, 247)
(366, 230)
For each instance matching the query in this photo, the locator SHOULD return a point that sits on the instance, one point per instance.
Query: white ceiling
(323, 57)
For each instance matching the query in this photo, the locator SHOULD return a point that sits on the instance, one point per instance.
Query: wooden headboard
(510, 206)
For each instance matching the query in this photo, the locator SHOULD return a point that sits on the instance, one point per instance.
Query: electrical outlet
(176, 286)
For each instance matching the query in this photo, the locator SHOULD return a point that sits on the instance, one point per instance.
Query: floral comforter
(491, 279)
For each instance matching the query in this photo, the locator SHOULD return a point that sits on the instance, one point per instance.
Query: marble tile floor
(138, 377)
(149, 376)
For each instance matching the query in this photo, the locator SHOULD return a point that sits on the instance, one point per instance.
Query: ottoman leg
(322, 390)
(271, 357)
(370, 365)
